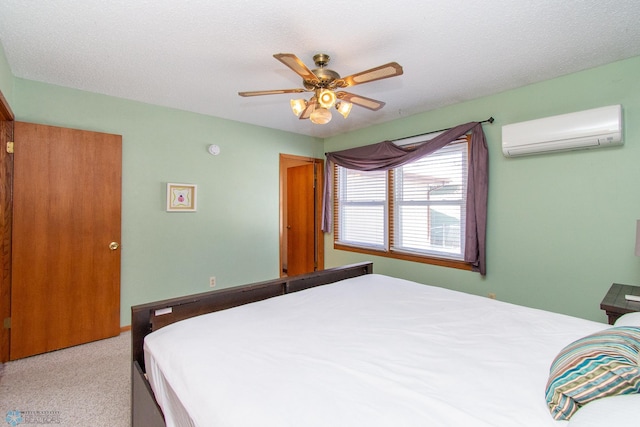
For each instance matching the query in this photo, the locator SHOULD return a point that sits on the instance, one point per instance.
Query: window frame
(388, 251)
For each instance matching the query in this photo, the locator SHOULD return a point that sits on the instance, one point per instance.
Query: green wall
(561, 226)
(233, 236)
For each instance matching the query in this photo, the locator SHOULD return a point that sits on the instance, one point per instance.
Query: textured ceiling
(195, 55)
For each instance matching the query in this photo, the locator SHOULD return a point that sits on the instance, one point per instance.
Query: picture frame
(181, 197)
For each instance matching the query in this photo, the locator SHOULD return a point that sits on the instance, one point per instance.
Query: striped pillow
(598, 365)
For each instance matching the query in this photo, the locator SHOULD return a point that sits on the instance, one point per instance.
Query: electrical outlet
(212, 281)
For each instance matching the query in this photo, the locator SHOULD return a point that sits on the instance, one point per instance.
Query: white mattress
(368, 351)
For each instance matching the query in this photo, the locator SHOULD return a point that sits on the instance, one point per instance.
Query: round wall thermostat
(214, 149)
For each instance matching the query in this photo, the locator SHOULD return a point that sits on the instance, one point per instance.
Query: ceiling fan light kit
(324, 82)
(320, 116)
(344, 108)
(298, 106)
(327, 98)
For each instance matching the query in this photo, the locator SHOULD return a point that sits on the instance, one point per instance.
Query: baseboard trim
(125, 328)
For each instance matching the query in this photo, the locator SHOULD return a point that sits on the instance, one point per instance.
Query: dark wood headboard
(146, 318)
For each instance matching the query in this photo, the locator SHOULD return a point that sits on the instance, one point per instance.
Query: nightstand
(614, 303)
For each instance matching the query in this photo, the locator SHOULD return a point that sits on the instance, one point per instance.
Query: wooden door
(67, 202)
(301, 252)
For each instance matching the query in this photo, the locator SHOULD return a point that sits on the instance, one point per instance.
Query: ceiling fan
(325, 85)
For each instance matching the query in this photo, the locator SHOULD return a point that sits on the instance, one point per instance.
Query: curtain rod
(489, 120)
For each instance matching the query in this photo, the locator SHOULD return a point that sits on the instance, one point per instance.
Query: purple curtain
(387, 155)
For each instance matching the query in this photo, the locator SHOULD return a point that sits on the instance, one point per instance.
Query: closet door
(66, 234)
(301, 244)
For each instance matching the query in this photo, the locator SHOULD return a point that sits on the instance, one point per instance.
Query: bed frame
(146, 318)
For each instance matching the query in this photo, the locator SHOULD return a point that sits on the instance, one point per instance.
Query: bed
(346, 347)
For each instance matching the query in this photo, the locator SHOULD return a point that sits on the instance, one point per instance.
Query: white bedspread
(369, 351)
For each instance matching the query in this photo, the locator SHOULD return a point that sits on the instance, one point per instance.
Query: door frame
(6, 209)
(287, 161)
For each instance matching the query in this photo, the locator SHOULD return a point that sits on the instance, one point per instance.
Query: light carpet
(86, 385)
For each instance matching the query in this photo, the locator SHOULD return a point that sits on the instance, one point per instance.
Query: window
(415, 212)
(362, 208)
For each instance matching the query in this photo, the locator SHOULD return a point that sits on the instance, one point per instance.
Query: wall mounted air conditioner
(599, 127)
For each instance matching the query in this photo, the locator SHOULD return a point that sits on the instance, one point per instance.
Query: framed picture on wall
(181, 197)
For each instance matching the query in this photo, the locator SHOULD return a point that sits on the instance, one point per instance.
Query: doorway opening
(301, 239)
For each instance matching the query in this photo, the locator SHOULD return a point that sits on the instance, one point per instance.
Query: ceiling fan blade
(298, 67)
(362, 101)
(391, 69)
(271, 92)
(311, 106)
